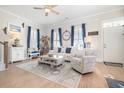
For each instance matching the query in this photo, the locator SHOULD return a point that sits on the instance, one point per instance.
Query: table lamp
(88, 41)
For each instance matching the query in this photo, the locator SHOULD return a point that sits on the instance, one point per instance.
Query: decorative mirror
(66, 35)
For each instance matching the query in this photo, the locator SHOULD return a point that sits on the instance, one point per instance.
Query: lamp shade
(88, 39)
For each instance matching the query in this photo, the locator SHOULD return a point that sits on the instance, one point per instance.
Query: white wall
(93, 23)
(8, 17)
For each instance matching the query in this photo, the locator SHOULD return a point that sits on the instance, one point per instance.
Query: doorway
(114, 44)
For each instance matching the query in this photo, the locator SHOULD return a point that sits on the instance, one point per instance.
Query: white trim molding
(2, 66)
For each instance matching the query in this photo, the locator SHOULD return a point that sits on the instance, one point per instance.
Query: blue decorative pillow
(68, 50)
(34, 52)
(59, 50)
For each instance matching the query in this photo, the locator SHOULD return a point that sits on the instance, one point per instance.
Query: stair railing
(5, 44)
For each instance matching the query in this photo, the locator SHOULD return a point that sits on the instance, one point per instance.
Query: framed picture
(14, 28)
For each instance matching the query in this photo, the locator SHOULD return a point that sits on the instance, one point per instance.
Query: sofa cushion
(55, 50)
(79, 53)
(73, 51)
(89, 52)
(68, 50)
(59, 50)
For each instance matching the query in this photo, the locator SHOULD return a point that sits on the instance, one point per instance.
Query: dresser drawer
(16, 54)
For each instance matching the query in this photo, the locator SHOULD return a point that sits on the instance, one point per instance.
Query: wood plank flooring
(18, 78)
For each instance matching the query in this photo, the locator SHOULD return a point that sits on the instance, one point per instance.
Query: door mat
(113, 64)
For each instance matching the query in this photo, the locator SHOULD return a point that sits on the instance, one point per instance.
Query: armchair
(84, 64)
(33, 52)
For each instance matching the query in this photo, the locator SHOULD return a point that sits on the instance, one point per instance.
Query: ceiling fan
(47, 9)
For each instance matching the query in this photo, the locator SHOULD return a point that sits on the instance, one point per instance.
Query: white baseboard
(99, 60)
(2, 66)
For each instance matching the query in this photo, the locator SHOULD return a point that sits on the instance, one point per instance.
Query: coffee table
(54, 61)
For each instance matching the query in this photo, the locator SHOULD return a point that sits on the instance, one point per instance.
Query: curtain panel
(83, 34)
(38, 38)
(60, 36)
(29, 37)
(52, 39)
(72, 35)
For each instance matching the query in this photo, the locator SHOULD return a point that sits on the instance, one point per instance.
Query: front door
(114, 44)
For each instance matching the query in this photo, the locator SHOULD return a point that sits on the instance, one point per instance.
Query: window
(113, 23)
(33, 38)
(78, 42)
(56, 38)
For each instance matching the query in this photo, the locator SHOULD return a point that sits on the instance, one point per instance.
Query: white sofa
(66, 54)
(84, 61)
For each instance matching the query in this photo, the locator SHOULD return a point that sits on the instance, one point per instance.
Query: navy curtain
(72, 35)
(60, 36)
(28, 36)
(38, 38)
(84, 34)
(52, 39)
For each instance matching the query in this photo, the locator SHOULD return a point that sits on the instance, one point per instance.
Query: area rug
(66, 76)
(113, 83)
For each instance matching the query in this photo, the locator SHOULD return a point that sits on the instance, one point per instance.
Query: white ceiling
(70, 11)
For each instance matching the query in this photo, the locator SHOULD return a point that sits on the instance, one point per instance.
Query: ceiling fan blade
(50, 6)
(38, 8)
(54, 11)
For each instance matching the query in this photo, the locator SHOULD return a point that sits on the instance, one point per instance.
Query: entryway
(114, 43)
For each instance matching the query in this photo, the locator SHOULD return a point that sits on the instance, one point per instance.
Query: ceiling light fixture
(47, 9)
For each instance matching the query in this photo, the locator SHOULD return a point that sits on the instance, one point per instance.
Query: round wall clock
(66, 35)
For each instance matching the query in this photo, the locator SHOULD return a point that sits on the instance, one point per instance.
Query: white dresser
(16, 54)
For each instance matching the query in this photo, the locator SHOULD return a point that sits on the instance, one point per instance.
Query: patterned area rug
(65, 75)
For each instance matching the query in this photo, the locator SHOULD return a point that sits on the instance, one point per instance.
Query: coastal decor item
(44, 45)
(17, 42)
(5, 30)
(93, 33)
(66, 35)
(14, 28)
(23, 25)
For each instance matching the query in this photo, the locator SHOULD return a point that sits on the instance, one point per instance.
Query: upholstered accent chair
(84, 61)
(33, 52)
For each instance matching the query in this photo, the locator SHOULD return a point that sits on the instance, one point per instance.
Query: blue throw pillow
(59, 50)
(34, 52)
(68, 50)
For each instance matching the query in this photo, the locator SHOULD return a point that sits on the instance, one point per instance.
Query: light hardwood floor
(18, 78)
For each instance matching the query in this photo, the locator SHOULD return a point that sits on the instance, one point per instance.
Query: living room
(53, 46)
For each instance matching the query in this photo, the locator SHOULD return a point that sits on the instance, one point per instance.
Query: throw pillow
(59, 50)
(68, 50)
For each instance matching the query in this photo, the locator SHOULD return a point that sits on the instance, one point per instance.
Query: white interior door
(114, 44)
